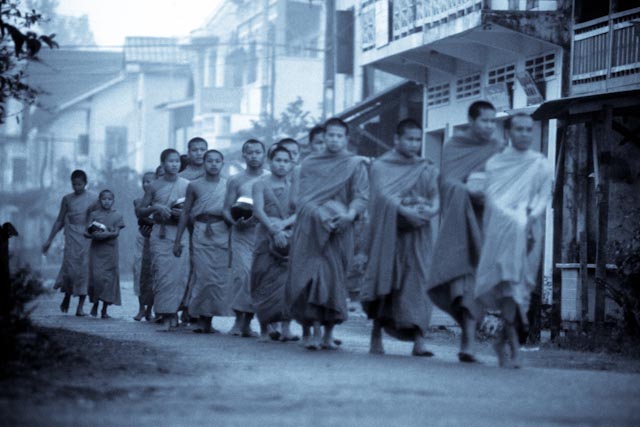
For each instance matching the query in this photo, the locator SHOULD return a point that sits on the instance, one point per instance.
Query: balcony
(221, 99)
(606, 53)
(383, 22)
(456, 37)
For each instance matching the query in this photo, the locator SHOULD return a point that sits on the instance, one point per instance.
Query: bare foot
(94, 311)
(312, 344)
(289, 337)
(420, 348)
(138, 317)
(106, 316)
(80, 313)
(64, 307)
(249, 334)
(329, 346)
(235, 330)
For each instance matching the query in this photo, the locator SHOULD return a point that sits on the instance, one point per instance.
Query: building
(250, 60)
(598, 167)
(99, 111)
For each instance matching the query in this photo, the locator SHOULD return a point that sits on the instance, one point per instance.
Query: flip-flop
(467, 358)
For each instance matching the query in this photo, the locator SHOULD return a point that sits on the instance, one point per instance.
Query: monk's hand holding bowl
(276, 227)
(280, 239)
(163, 211)
(341, 221)
(413, 216)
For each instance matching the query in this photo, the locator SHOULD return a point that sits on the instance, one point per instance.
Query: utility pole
(329, 59)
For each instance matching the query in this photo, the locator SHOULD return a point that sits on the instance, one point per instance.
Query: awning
(370, 107)
(578, 109)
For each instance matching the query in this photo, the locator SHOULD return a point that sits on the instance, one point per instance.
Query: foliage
(625, 291)
(18, 43)
(70, 30)
(25, 287)
(293, 122)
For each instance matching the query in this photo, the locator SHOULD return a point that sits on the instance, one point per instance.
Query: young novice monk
(404, 197)
(169, 273)
(210, 243)
(457, 249)
(104, 273)
(332, 191)
(243, 236)
(73, 278)
(518, 188)
(272, 207)
(142, 261)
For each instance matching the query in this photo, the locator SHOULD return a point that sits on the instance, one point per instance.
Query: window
(83, 144)
(367, 26)
(468, 87)
(19, 170)
(115, 141)
(438, 95)
(542, 67)
(506, 73)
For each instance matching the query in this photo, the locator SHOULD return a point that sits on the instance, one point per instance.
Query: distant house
(98, 110)
(254, 58)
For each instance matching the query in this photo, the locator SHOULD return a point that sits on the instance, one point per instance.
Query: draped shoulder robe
(457, 248)
(319, 260)
(170, 273)
(104, 272)
(394, 290)
(517, 182)
(269, 270)
(210, 255)
(73, 277)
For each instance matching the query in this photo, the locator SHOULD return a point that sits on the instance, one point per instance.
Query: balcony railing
(606, 48)
(382, 20)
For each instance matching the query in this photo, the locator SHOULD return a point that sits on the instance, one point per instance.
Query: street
(224, 380)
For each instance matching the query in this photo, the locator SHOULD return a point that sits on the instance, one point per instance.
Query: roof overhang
(578, 109)
(460, 53)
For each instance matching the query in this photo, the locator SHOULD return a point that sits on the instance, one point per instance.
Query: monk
(141, 260)
(210, 242)
(243, 236)
(73, 278)
(273, 208)
(192, 168)
(170, 274)
(457, 249)
(404, 197)
(104, 271)
(517, 191)
(316, 139)
(332, 192)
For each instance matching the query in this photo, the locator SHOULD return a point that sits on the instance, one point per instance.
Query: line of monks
(279, 244)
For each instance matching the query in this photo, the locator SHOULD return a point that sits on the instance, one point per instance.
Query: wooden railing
(606, 47)
(411, 16)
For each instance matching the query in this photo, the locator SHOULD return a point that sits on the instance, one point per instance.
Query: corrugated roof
(156, 50)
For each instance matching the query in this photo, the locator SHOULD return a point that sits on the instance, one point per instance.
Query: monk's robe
(518, 182)
(394, 289)
(210, 255)
(457, 249)
(242, 247)
(319, 260)
(190, 174)
(73, 277)
(104, 272)
(170, 273)
(142, 272)
(269, 268)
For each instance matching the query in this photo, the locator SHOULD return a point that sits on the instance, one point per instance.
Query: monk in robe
(73, 278)
(141, 258)
(272, 207)
(210, 243)
(170, 273)
(517, 191)
(104, 270)
(457, 249)
(243, 237)
(333, 190)
(192, 170)
(404, 197)
(316, 139)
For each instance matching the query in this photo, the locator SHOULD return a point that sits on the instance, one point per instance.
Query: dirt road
(188, 379)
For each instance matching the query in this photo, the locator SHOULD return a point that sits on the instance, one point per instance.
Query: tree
(70, 30)
(294, 121)
(18, 43)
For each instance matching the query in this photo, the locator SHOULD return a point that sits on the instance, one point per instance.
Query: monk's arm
(58, 224)
(145, 208)
(359, 191)
(230, 197)
(186, 212)
(433, 194)
(257, 193)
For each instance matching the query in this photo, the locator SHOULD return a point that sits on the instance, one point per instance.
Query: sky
(111, 21)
